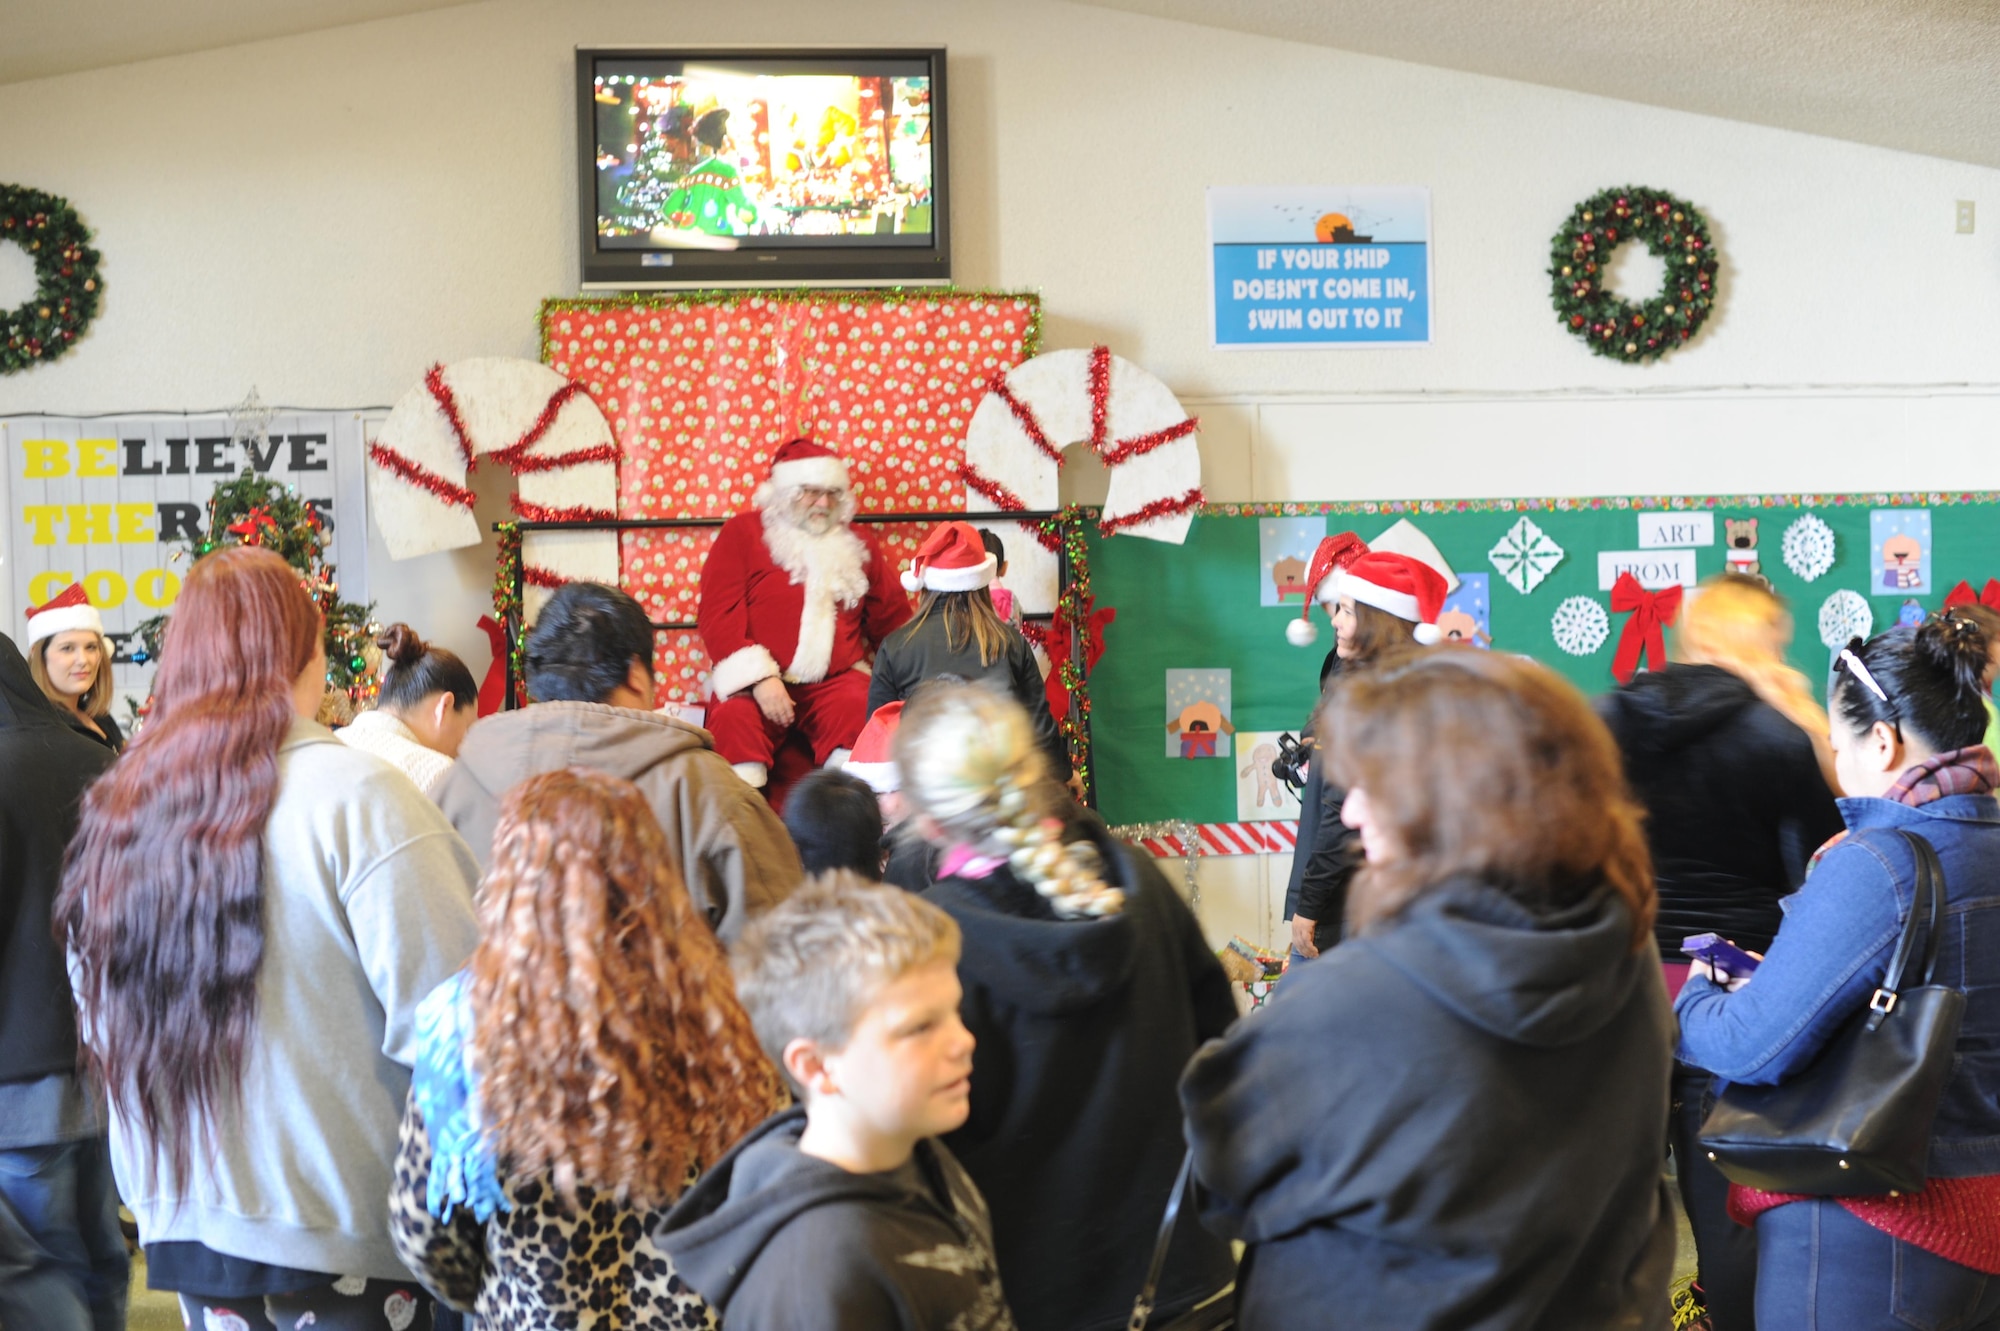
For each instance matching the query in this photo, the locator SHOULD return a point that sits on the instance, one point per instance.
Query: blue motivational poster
(1284, 555)
(1468, 612)
(1899, 551)
(1319, 266)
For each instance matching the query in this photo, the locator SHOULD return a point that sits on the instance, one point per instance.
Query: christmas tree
(255, 510)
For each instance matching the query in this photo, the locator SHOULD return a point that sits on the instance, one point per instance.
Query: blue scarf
(463, 1171)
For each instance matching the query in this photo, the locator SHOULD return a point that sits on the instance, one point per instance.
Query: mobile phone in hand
(1728, 960)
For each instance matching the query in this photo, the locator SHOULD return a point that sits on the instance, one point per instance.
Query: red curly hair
(610, 1046)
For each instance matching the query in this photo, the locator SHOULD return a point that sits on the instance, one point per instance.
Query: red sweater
(1958, 1219)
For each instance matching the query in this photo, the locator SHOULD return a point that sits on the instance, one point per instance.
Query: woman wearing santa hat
(1381, 603)
(958, 632)
(71, 661)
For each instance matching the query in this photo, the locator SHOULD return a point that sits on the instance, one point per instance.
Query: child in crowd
(848, 1213)
(836, 824)
(1088, 987)
(586, 1065)
(958, 632)
(1455, 1118)
(427, 702)
(1004, 603)
(907, 861)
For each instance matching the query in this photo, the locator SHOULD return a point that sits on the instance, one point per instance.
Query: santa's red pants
(829, 715)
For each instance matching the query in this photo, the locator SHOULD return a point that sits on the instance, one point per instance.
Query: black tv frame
(750, 265)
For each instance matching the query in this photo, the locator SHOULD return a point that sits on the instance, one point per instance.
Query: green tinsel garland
(1609, 324)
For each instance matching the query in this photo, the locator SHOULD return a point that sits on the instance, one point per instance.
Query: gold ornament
(1631, 347)
(1670, 309)
(1586, 217)
(1677, 217)
(1565, 270)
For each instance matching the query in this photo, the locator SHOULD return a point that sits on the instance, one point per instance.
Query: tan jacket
(732, 850)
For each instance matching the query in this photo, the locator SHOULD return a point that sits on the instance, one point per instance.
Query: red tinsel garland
(541, 577)
(522, 466)
(390, 460)
(530, 512)
(1100, 395)
(515, 455)
(1139, 444)
(1026, 416)
(441, 393)
(1159, 508)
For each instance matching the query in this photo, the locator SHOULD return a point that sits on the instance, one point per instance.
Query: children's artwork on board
(1899, 543)
(1284, 553)
(1468, 612)
(1198, 724)
(1260, 795)
(1740, 552)
(1911, 615)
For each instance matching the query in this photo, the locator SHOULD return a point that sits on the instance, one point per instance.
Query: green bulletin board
(1196, 607)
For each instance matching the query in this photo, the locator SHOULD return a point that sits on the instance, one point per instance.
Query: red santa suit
(778, 601)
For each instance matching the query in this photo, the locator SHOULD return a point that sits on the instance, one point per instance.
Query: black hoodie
(1454, 1120)
(776, 1240)
(1083, 1028)
(1735, 799)
(44, 768)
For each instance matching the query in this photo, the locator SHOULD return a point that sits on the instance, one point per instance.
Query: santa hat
(1332, 554)
(803, 462)
(870, 759)
(952, 558)
(1405, 587)
(1405, 538)
(69, 610)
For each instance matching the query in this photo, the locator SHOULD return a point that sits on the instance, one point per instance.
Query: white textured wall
(323, 216)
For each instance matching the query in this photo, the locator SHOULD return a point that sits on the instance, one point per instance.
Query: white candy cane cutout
(540, 426)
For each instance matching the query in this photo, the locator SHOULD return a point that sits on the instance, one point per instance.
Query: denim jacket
(1834, 948)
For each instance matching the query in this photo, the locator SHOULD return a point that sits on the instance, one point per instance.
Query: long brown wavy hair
(609, 1044)
(1486, 765)
(163, 889)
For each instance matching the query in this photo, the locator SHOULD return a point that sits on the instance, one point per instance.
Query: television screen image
(762, 152)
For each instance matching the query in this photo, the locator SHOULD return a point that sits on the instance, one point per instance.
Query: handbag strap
(1928, 898)
(1142, 1307)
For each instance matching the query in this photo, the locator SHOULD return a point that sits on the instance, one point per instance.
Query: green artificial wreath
(1612, 326)
(67, 284)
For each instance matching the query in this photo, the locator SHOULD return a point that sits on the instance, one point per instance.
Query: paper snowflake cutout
(1525, 556)
(1580, 626)
(1808, 547)
(1844, 616)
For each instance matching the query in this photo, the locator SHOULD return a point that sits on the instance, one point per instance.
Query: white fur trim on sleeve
(740, 669)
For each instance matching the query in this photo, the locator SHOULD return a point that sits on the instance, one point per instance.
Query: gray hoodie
(731, 849)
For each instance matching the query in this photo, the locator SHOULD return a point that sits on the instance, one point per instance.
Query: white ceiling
(1916, 75)
(39, 38)
(1920, 76)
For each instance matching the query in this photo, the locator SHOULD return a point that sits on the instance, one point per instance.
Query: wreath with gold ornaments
(1609, 324)
(67, 286)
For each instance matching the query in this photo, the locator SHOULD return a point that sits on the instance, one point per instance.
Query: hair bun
(1957, 645)
(400, 644)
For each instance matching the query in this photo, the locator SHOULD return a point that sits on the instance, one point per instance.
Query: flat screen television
(754, 167)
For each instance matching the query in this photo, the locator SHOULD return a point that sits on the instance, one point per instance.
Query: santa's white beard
(831, 564)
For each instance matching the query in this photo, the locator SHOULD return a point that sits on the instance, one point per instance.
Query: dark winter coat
(1454, 1120)
(44, 768)
(917, 652)
(1083, 1028)
(774, 1238)
(1735, 800)
(1328, 853)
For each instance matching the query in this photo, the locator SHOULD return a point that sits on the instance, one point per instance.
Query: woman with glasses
(1907, 722)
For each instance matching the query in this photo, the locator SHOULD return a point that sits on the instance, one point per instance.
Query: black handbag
(1857, 1121)
(1215, 1313)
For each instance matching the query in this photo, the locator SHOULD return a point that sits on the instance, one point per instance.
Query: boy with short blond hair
(848, 1213)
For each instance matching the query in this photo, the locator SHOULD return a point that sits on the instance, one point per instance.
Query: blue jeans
(63, 1264)
(1820, 1269)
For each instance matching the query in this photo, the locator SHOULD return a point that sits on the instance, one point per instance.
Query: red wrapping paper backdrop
(700, 390)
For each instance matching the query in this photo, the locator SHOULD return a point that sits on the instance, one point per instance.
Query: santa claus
(794, 600)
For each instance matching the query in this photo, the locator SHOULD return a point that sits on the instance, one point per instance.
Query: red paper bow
(1642, 637)
(1962, 595)
(247, 526)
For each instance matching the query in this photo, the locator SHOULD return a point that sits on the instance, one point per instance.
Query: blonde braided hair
(970, 763)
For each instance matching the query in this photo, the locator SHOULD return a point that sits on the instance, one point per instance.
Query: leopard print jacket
(542, 1265)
